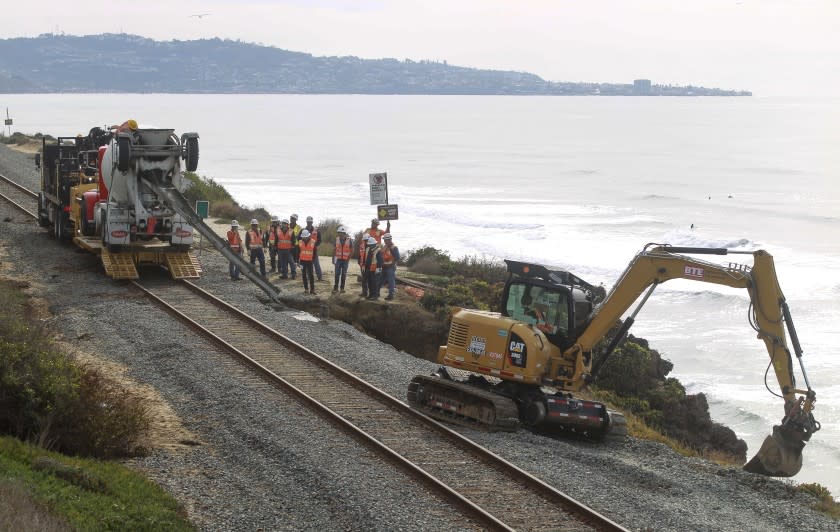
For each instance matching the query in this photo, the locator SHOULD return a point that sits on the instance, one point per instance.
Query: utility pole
(8, 122)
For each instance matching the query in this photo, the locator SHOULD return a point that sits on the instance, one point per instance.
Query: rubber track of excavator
(498, 413)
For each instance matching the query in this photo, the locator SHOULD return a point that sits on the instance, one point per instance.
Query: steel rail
(328, 371)
(18, 186)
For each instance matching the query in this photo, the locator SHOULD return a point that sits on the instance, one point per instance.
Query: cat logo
(517, 351)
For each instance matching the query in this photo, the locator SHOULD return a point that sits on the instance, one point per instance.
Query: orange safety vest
(306, 250)
(272, 236)
(256, 239)
(234, 240)
(387, 258)
(343, 251)
(313, 235)
(373, 264)
(284, 240)
(375, 233)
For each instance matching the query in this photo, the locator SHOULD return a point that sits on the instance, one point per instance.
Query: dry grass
(18, 511)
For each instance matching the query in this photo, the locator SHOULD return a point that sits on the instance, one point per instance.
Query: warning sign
(378, 188)
(387, 212)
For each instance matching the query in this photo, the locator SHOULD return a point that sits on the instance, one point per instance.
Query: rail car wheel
(192, 154)
(86, 226)
(58, 230)
(123, 154)
(43, 215)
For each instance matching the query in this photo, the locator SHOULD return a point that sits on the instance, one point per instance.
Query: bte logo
(182, 233)
(119, 233)
(694, 271)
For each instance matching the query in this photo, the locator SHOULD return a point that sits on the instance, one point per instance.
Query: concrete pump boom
(177, 202)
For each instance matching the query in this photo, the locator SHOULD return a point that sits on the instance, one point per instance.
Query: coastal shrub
(225, 209)
(15, 138)
(427, 266)
(205, 188)
(329, 231)
(427, 252)
(825, 502)
(86, 494)
(48, 398)
(626, 372)
(481, 268)
(19, 511)
(460, 292)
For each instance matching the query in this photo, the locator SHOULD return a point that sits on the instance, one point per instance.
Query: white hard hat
(371, 240)
(304, 234)
(275, 219)
(341, 229)
(295, 216)
(254, 221)
(234, 223)
(308, 218)
(285, 222)
(387, 236)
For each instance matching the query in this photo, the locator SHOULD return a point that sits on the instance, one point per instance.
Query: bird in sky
(200, 15)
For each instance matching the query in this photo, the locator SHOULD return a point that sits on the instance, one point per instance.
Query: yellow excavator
(519, 367)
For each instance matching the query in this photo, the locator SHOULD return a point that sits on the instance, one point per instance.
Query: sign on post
(378, 188)
(387, 212)
(202, 208)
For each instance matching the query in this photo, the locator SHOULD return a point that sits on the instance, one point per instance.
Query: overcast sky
(772, 47)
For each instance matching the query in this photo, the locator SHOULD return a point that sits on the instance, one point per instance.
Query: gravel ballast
(261, 460)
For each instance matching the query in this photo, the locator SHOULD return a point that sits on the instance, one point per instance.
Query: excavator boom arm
(769, 316)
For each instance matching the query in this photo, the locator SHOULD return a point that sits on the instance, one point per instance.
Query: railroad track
(491, 490)
(19, 197)
(486, 487)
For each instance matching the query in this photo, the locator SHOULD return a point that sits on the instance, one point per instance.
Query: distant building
(641, 86)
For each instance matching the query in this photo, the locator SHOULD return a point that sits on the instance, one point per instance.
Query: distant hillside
(129, 63)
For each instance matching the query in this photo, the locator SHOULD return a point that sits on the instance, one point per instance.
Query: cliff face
(129, 63)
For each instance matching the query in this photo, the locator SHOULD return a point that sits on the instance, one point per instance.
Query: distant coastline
(123, 63)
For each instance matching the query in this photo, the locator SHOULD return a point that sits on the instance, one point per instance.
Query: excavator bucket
(780, 454)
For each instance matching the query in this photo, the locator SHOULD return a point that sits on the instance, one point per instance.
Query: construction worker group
(292, 247)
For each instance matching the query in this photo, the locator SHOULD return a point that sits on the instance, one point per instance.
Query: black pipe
(702, 251)
(794, 338)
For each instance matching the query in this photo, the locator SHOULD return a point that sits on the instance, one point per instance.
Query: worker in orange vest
(270, 241)
(373, 268)
(235, 243)
(315, 235)
(254, 243)
(307, 253)
(390, 258)
(286, 242)
(376, 233)
(342, 251)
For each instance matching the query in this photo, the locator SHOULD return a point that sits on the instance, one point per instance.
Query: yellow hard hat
(132, 124)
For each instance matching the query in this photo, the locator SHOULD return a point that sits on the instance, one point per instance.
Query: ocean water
(579, 183)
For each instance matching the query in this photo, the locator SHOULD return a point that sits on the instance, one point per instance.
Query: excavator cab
(554, 301)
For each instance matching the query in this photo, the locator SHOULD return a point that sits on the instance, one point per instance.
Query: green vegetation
(86, 494)
(468, 282)
(48, 398)
(329, 231)
(825, 502)
(20, 138)
(222, 204)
